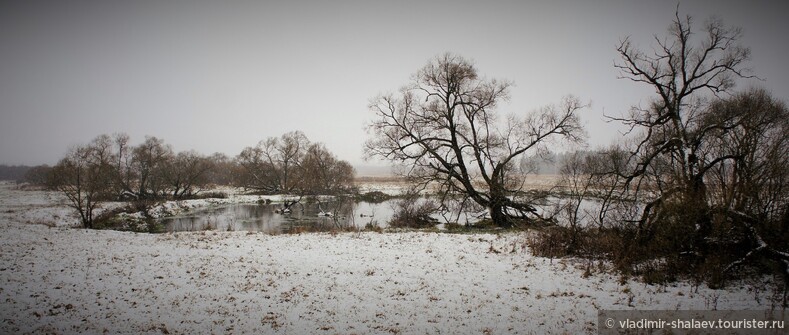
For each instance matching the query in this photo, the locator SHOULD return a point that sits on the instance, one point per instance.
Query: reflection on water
(264, 218)
(306, 217)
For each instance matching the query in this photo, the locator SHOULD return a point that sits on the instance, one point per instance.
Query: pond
(267, 217)
(307, 217)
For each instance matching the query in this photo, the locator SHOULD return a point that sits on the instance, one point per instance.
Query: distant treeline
(13, 172)
(38, 174)
(544, 165)
(547, 163)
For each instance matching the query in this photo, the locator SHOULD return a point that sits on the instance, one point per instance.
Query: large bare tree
(445, 129)
(696, 147)
(686, 75)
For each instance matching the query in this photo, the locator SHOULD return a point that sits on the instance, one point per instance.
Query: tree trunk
(499, 218)
(497, 214)
(700, 211)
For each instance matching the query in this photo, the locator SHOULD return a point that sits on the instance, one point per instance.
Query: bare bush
(414, 211)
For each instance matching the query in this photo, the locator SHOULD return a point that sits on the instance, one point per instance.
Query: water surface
(269, 219)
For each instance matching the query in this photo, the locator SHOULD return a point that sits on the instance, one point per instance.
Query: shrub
(412, 211)
(211, 195)
(373, 197)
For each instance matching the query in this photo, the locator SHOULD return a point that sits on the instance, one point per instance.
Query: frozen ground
(65, 280)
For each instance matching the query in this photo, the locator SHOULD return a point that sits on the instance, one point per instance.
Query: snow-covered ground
(65, 280)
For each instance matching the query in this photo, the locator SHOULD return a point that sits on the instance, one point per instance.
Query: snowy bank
(64, 280)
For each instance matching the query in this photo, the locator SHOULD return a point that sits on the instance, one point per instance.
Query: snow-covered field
(65, 280)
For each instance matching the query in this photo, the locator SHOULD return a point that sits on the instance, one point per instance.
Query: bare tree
(288, 153)
(670, 154)
(186, 173)
(125, 174)
(258, 171)
(84, 176)
(443, 127)
(225, 170)
(270, 166)
(700, 160)
(752, 190)
(577, 178)
(322, 173)
(292, 165)
(150, 162)
(753, 128)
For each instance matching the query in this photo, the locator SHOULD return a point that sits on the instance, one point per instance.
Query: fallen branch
(761, 246)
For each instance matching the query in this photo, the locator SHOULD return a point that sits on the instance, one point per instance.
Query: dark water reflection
(306, 216)
(265, 218)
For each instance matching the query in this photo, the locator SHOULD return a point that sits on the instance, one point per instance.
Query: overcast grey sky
(217, 76)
